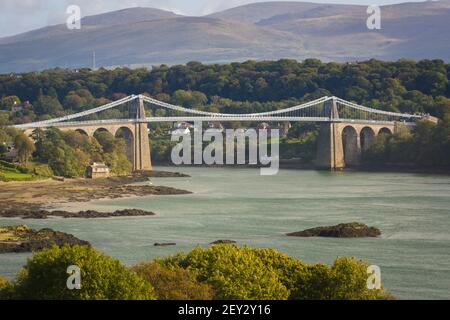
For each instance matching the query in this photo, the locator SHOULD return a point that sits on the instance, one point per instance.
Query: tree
(47, 105)
(106, 140)
(233, 273)
(6, 103)
(25, 147)
(346, 279)
(173, 283)
(45, 276)
(6, 289)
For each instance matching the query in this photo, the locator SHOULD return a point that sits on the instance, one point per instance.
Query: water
(412, 211)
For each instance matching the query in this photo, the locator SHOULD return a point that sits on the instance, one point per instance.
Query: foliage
(13, 172)
(346, 279)
(6, 103)
(69, 153)
(43, 170)
(234, 273)
(248, 87)
(427, 145)
(25, 147)
(219, 272)
(6, 289)
(174, 283)
(251, 86)
(45, 274)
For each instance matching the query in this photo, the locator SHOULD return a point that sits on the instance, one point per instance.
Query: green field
(8, 173)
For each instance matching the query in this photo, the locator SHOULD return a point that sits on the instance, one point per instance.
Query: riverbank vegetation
(218, 272)
(426, 146)
(60, 153)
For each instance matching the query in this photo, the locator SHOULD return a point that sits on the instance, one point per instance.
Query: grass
(12, 174)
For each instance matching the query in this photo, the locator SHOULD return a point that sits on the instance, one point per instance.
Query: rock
(161, 174)
(344, 230)
(43, 214)
(224, 242)
(165, 244)
(23, 239)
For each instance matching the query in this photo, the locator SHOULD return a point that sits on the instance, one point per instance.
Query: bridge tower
(330, 150)
(142, 158)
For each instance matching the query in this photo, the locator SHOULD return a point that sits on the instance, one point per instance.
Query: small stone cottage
(97, 170)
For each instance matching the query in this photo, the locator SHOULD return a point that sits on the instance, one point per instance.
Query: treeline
(69, 153)
(64, 153)
(224, 272)
(426, 146)
(404, 86)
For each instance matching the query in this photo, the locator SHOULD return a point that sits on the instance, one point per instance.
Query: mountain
(271, 30)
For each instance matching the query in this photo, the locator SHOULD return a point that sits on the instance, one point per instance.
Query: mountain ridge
(273, 30)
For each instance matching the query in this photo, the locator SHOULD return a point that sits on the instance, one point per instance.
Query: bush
(234, 273)
(287, 268)
(345, 280)
(247, 273)
(5, 289)
(43, 170)
(174, 283)
(102, 277)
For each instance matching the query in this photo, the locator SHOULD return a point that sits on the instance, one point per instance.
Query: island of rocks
(21, 238)
(343, 230)
(223, 242)
(44, 214)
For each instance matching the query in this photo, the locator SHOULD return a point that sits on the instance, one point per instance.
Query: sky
(17, 16)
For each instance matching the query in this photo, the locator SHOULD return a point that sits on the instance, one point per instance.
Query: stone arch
(126, 134)
(82, 131)
(350, 145)
(101, 130)
(367, 137)
(385, 130)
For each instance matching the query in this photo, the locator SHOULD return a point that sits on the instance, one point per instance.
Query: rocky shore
(44, 214)
(24, 239)
(343, 230)
(38, 195)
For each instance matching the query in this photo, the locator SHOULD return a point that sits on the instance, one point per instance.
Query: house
(97, 170)
(11, 152)
(182, 128)
(215, 126)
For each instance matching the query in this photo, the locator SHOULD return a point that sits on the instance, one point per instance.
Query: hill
(271, 30)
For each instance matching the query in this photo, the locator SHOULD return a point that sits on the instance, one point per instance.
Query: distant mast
(93, 60)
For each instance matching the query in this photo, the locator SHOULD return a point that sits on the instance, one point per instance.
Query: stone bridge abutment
(342, 143)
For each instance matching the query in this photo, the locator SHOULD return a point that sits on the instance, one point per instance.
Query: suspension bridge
(347, 129)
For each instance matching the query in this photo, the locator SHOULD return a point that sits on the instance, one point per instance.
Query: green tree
(346, 279)
(45, 275)
(174, 283)
(25, 147)
(6, 103)
(6, 289)
(47, 105)
(233, 273)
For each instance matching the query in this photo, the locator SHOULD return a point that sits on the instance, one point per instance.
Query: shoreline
(308, 166)
(52, 195)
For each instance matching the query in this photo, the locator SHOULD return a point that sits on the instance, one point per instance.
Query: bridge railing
(316, 110)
